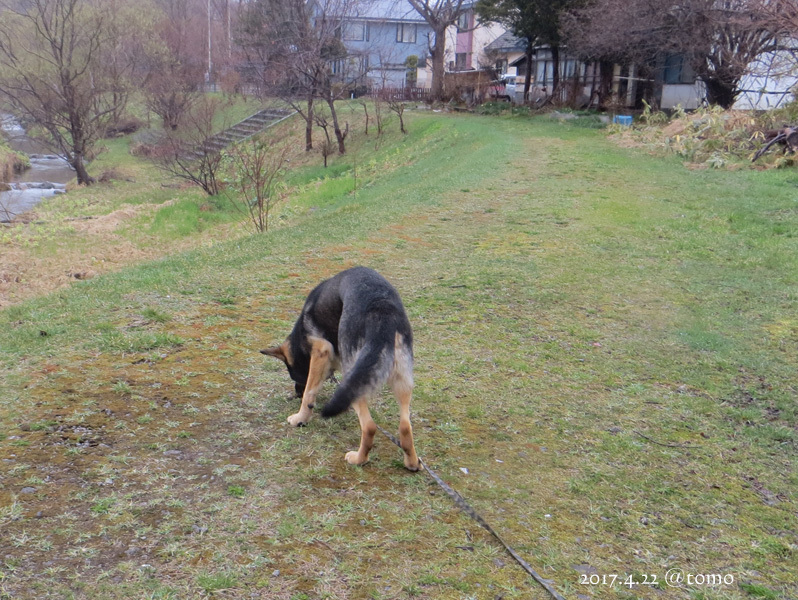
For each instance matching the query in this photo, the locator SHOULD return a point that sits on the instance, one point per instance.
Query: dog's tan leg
(401, 382)
(367, 430)
(321, 360)
(403, 394)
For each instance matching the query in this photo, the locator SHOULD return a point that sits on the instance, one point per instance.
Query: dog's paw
(413, 466)
(353, 458)
(298, 420)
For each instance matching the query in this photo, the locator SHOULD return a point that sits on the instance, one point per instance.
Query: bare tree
(787, 14)
(175, 67)
(63, 66)
(783, 14)
(439, 15)
(396, 104)
(379, 106)
(296, 47)
(721, 38)
(718, 38)
(189, 152)
(363, 101)
(255, 170)
(327, 146)
(598, 32)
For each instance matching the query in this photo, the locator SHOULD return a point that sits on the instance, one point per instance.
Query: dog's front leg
(321, 360)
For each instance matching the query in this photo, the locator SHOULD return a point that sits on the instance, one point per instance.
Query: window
(543, 71)
(673, 69)
(464, 21)
(351, 66)
(676, 70)
(406, 33)
(460, 61)
(355, 31)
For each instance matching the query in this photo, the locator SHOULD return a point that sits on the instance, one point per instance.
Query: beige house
(467, 40)
(505, 51)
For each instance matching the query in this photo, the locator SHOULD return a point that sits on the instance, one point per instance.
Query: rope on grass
(645, 437)
(469, 510)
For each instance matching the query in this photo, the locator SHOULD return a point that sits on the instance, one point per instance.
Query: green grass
(187, 217)
(604, 340)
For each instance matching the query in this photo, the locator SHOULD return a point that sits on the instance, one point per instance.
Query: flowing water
(47, 176)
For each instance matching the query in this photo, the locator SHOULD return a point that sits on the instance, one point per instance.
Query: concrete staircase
(245, 129)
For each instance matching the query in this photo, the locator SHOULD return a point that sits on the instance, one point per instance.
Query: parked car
(503, 88)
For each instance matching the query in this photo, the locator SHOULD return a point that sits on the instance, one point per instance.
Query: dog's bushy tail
(369, 372)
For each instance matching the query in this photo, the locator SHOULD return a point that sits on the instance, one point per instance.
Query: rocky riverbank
(25, 179)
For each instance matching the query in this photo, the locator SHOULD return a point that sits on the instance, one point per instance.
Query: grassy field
(606, 348)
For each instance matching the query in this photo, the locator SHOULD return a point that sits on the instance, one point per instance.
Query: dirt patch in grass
(24, 274)
(108, 224)
(77, 249)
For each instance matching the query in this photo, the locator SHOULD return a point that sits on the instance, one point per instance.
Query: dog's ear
(276, 352)
(283, 352)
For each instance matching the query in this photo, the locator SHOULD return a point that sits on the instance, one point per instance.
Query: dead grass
(86, 247)
(708, 138)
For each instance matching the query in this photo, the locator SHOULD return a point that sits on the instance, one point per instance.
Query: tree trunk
(605, 83)
(309, 125)
(78, 150)
(721, 93)
(438, 65)
(555, 76)
(80, 169)
(528, 83)
(339, 135)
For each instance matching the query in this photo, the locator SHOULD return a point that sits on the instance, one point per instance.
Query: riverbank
(28, 173)
(92, 230)
(12, 163)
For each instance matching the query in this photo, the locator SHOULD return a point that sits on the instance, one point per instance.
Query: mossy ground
(606, 343)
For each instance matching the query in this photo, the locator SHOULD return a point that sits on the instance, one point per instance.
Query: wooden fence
(402, 94)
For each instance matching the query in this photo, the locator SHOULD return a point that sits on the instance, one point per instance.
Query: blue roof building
(380, 36)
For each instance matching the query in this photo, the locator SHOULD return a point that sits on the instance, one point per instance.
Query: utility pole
(229, 36)
(210, 62)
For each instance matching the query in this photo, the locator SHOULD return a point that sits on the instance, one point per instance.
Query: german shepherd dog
(355, 322)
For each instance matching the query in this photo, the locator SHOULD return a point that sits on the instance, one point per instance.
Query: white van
(504, 88)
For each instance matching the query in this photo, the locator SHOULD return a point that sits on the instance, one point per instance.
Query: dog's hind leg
(403, 394)
(401, 382)
(367, 430)
(321, 362)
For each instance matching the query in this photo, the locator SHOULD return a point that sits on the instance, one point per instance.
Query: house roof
(507, 42)
(386, 10)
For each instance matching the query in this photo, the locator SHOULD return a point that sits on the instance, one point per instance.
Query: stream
(47, 176)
